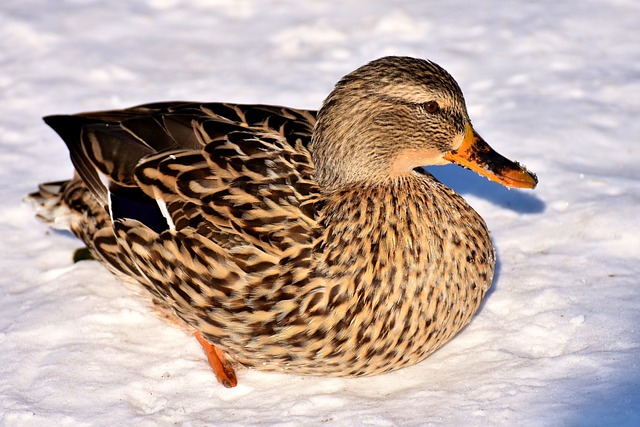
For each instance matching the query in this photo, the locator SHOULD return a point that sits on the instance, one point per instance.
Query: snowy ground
(555, 85)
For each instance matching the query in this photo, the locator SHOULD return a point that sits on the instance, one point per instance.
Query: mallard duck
(287, 239)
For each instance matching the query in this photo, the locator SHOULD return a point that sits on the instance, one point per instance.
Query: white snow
(554, 85)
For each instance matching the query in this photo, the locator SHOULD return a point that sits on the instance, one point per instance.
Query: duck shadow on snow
(467, 182)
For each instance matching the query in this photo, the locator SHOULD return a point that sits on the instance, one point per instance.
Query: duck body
(291, 239)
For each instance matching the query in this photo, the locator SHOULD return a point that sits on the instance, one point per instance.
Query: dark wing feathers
(234, 173)
(70, 130)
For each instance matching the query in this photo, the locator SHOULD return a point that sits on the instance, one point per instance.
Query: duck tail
(67, 205)
(50, 206)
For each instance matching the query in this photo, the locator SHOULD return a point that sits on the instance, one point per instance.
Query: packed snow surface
(554, 85)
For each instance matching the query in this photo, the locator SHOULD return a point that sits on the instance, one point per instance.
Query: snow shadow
(609, 402)
(468, 182)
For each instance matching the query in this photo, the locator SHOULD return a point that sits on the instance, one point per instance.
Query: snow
(555, 85)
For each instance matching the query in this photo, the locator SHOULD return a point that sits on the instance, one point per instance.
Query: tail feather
(50, 206)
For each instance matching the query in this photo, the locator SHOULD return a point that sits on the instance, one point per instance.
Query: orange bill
(477, 155)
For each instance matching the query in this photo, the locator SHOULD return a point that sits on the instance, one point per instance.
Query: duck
(291, 240)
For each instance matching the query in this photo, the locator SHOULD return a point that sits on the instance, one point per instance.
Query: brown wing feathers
(217, 167)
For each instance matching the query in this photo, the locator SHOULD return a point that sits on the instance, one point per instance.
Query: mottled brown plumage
(292, 240)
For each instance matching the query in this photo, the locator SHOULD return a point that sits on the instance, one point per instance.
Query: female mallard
(287, 239)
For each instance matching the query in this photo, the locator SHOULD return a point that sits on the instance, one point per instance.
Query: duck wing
(235, 174)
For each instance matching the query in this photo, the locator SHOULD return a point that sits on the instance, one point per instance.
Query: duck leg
(222, 368)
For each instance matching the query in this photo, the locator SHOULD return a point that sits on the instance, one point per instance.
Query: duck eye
(431, 107)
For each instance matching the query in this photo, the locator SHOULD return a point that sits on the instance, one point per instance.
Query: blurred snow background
(555, 85)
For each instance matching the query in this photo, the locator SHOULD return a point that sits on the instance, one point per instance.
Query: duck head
(396, 114)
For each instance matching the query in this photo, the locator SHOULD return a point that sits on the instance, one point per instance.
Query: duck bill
(477, 155)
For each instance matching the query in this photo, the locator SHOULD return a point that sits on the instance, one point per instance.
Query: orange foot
(222, 368)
